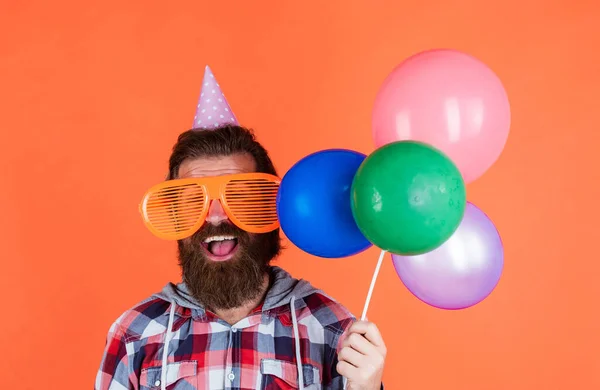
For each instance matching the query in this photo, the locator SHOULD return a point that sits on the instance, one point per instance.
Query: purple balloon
(460, 273)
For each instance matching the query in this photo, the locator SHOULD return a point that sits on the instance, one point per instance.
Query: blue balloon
(313, 204)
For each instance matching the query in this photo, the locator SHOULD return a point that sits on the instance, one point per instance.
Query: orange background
(94, 96)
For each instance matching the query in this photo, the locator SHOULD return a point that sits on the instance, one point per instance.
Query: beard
(231, 283)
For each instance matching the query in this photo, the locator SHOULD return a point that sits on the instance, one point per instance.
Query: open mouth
(220, 248)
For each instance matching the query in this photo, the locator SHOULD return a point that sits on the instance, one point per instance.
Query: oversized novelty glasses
(176, 209)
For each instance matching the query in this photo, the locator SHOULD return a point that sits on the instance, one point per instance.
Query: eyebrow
(190, 173)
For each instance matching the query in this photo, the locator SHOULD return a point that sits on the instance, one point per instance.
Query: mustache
(222, 229)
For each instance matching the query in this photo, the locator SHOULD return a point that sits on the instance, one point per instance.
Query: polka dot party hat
(213, 110)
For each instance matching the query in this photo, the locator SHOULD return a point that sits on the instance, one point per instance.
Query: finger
(359, 343)
(347, 370)
(352, 356)
(369, 330)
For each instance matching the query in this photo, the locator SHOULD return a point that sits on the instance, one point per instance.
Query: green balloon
(408, 198)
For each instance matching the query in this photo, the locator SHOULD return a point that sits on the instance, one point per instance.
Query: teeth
(218, 238)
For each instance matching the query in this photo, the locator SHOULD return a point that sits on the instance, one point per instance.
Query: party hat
(213, 109)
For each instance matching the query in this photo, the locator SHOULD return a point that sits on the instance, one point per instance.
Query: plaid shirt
(205, 352)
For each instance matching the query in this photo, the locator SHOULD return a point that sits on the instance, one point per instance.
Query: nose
(216, 213)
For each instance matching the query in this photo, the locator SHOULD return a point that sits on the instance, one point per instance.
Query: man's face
(223, 265)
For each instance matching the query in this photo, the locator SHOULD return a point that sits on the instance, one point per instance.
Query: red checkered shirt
(201, 351)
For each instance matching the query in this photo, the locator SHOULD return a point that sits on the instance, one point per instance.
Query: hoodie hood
(283, 288)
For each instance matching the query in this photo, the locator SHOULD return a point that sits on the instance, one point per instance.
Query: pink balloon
(449, 100)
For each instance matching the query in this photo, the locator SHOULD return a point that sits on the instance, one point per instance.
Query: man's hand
(362, 356)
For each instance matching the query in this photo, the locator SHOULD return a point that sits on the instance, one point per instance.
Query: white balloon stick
(364, 313)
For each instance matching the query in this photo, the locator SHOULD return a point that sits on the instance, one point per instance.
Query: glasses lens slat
(175, 210)
(253, 202)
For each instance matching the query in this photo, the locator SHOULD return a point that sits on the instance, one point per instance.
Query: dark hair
(221, 141)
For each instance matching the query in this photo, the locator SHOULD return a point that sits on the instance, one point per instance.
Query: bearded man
(235, 321)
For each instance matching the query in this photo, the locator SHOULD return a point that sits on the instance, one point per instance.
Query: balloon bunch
(440, 120)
